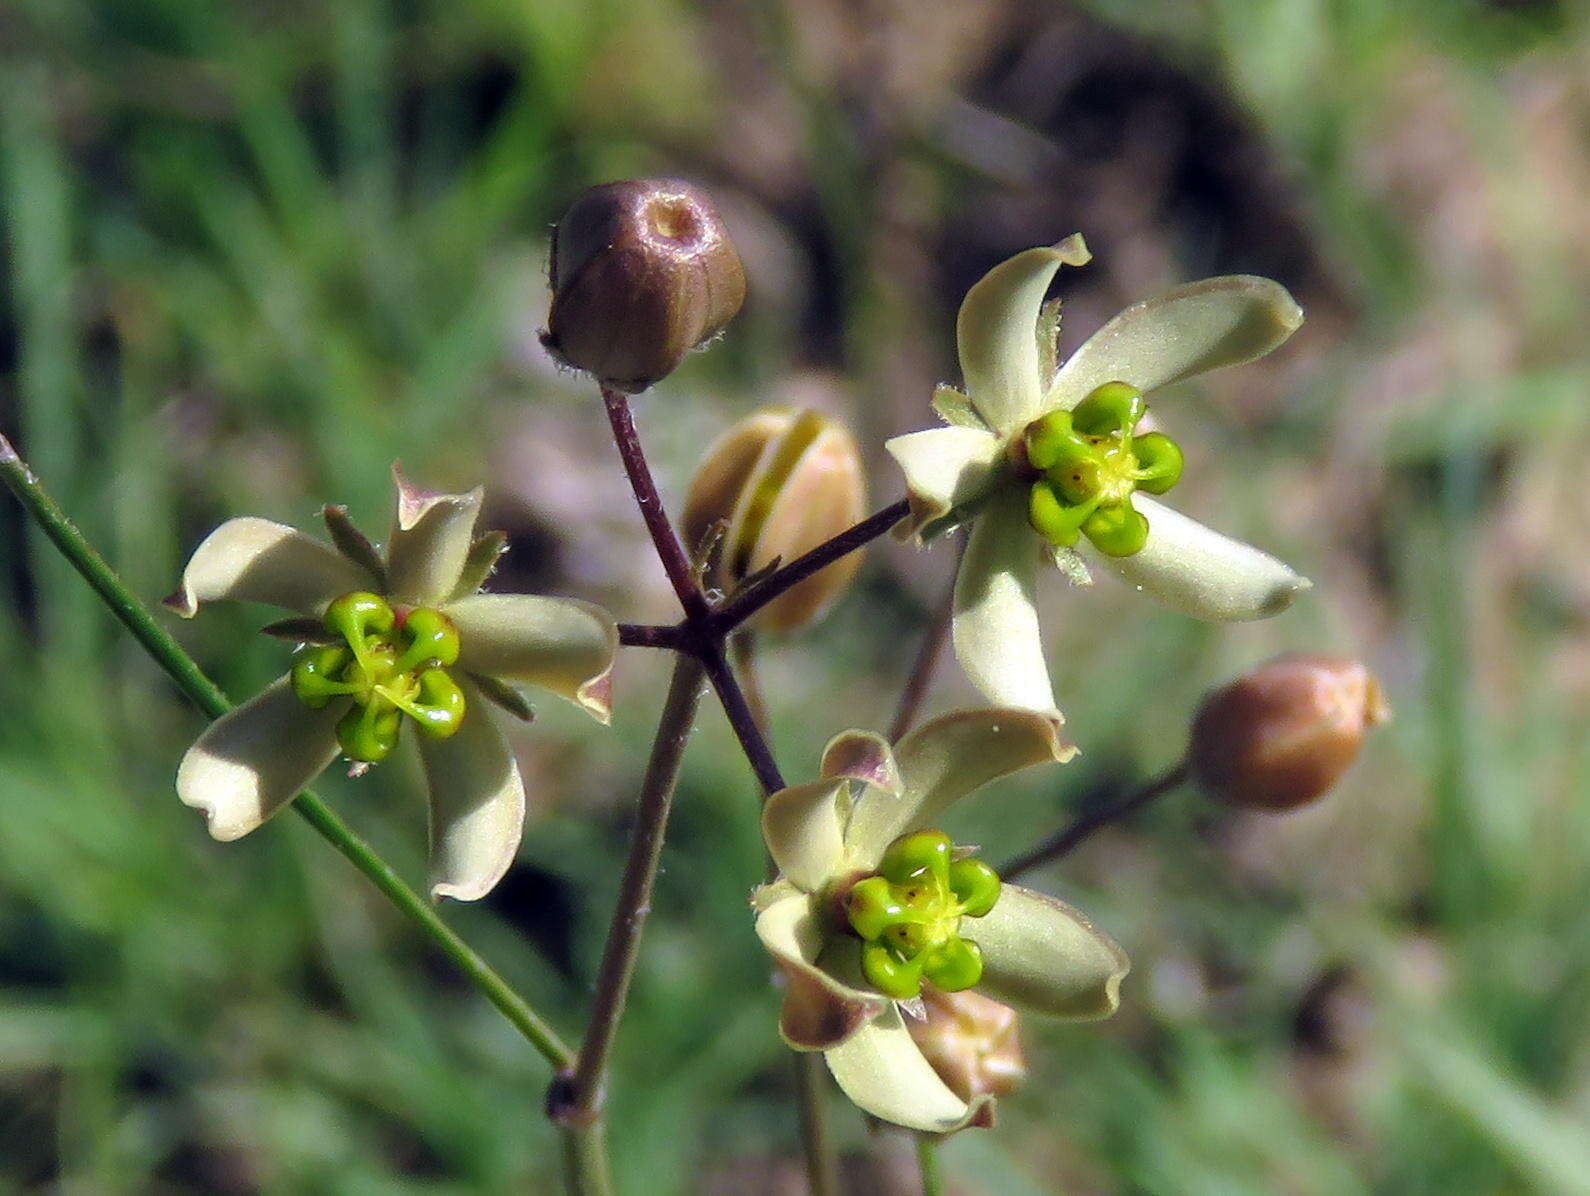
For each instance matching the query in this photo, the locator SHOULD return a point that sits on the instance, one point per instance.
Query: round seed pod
(780, 483)
(971, 1041)
(642, 272)
(1282, 735)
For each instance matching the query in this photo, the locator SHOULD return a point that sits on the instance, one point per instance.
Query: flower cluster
(903, 955)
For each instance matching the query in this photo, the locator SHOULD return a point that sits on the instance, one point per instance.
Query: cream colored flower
(390, 638)
(871, 908)
(979, 470)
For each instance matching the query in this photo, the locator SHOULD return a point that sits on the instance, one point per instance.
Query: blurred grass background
(251, 253)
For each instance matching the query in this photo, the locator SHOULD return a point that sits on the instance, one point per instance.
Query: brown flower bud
(1282, 735)
(972, 1041)
(782, 483)
(642, 272)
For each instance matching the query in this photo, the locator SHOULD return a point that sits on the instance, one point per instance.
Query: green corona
(909, 916)
(1092, 462)
(390, 666)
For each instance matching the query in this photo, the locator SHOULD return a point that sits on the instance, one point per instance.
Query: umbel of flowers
(388, 639)
(1040, 457)
(874, 905)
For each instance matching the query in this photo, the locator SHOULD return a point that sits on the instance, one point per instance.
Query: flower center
(1091, 464)
(909, 913)
(390, 665)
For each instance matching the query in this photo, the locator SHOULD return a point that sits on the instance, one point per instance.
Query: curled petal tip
(595, 697)
(413, 502)
(181, 603)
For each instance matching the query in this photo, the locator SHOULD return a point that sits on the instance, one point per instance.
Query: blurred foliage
(253, 252)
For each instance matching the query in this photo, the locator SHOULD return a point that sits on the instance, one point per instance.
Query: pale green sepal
(477, 804)
(1041, 955)
(861, 756)
(1070, 564)
(480, 564)
(955, 408)
(945, 468)
(803, 828)
(995, 622)
(254, 759)
(559, 644)
(996, 333)
(943, 761)
(1188, 331)
(431, 537)
(353, 543)
(881, 1069)
(819, 1009)
(1201, 573)
(257, 560)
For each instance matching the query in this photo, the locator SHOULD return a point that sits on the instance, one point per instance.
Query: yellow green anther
(1159, 462)
(909, 915)
(955, 966)
(388, 667)
(975, 885)
(1113, 408)
(1117, 530)
(369, 732)
(1052, 439)
(1091, 463)
(432, 640)
(438, 706)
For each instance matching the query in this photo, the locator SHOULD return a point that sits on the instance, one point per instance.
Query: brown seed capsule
(1281, 735)
(971, 1041)
(781, 483)
(642, 272)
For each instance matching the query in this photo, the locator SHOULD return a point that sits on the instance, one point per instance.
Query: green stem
(927, 1162)
(209, 698)
(817, 1144)
(585, 1170)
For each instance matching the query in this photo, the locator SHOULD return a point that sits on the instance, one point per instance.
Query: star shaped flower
(1044, 457)
(873, 907)
(387, 639)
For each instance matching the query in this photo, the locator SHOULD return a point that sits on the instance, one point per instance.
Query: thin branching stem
(743, 605)
(669, 550)
(1072, 836)
(927, 1164)
(703, 636)
(635, 890)
(208, 697)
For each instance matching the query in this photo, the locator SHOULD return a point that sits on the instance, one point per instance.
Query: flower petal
(995, 625)
(255, 759)
(431, 536)
(256, 560)
(997, 334)
(861, 756)
(1185, 332)
(883, 1071)
(558, 644)
(820, 1009)
(1201, 573)
(1042, 955)
(802, 826)
(477, 803)
(944, 468)
(944, 760)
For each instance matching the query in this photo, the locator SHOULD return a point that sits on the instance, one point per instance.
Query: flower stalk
(1072, 836)
(585, 1093)
(209, 698)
